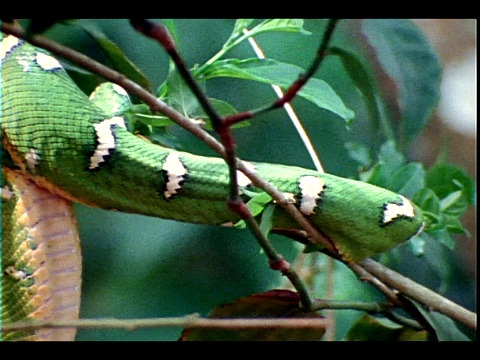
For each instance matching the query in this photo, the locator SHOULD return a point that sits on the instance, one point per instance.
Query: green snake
(59, 146)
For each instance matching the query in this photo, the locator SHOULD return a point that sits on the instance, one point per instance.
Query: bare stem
(195, 321)
(192, 321)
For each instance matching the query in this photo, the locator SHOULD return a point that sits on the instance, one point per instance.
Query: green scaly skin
(49, 135)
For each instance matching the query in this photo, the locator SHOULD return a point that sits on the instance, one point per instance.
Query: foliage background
(144, 267)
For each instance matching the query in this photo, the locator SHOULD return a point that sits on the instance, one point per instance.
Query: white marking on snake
(311, 188)
(242, 179)
(105, 138)
(47, 62)
(176, 172)
(288, 198)
(25, 63)
(394, 210)
(7, 193)
(9, 43)
(119, 90)
(32, 158)
(16, 274)
(94, 92)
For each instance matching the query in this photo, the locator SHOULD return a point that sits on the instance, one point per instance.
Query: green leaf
(408, 179)
(445, 328)
(180, 96)
(257, 204)
(273, 72)
(392, 173)
(164, 138)
(409, 71)
(370, 328)
(223, 109)
(361, 77)
(449, 194)
(453, 224)
(118, 60)
(274, 25)
(40, 25)
(390, 157)
(359, 153)
(172, 29)
(284, 25)
(154, 120)
(240, 25)
(417, 245)
(441, 216)
(454, 203)
(442, 236)
(266, 222)
(270, 304)
(445, 179)
(427, 200)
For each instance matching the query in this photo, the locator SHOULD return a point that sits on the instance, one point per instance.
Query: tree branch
(420, 293)
(191, 321)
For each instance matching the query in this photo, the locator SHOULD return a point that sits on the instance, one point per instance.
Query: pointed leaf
(370, 328)
(288, 25)
(408, 179)
(118, 60)
(407, 59)
(273, 72)
(361, 77)
(180, 96)
(445, 178)
(445, 328)
(238, 28)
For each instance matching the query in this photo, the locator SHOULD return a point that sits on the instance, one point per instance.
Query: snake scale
(59, 146)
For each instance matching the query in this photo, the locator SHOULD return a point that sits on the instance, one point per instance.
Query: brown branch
(191, 321)
(420, 293)
(194, 321)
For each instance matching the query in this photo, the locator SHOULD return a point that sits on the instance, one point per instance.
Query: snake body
(79, 149)
(41, 258)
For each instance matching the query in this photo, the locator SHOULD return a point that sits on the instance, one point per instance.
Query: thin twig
(195, 321)
(191, 321)
(384, 308)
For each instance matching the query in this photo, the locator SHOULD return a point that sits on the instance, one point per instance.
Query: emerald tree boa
(59, 146)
